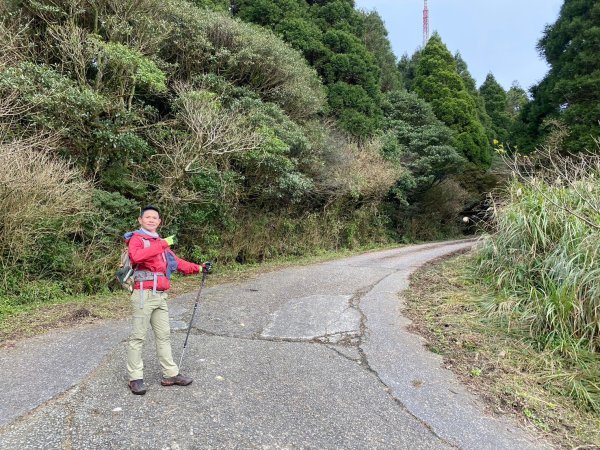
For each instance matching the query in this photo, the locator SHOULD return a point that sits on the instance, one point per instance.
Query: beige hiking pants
(153, 312)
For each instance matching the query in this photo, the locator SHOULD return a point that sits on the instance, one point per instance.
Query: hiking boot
(178, 379)
(137, 387)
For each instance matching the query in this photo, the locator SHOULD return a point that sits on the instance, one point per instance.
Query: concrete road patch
(315, 316)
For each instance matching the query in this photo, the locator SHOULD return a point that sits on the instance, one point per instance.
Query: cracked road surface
(308, 357)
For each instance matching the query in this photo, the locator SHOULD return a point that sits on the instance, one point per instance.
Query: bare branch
(37, 189)
(72, 49)
(575, 172)
(214, 129)
(14, 43)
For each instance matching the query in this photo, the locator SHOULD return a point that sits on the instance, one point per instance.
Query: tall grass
(546, 262)
(543, 258)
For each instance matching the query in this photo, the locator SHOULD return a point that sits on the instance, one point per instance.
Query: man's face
(150, 221)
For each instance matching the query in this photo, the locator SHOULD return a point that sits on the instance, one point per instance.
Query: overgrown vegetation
(543, 255)
(522, 321)
(253, 147)
(266, 129)
(542, 259)
(499, 363)
(347, 48)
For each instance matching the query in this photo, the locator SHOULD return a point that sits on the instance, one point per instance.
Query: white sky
(498, 36)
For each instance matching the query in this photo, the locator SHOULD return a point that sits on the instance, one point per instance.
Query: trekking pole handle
(207, 266)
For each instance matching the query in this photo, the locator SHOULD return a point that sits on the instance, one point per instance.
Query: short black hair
(149, 208)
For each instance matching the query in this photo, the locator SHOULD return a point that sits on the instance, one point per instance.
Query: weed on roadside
(498, 361)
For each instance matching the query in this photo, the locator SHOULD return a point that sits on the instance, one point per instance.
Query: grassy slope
(495, 361)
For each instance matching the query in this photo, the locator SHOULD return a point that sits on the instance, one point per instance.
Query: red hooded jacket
(151, 258)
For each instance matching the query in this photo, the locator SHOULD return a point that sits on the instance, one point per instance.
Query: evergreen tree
(425, 197)
(377, 42)
(408, 69)
(516, 99)
(304, 35)
(418, 140)
(438, 82)
(269, 13)
(331, 35)
(471, 86)
(338, 14)
(496, 106)
(571, 89)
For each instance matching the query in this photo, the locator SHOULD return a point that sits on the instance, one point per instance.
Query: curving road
(309, 357)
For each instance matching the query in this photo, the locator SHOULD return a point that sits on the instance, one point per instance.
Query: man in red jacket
(153, 261)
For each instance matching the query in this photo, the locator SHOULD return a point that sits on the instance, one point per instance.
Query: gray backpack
(124, 273)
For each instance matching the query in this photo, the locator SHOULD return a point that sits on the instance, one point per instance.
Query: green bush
(55, 101)
(248, 55)
(544, 259)
(543, 254)
(22, 292)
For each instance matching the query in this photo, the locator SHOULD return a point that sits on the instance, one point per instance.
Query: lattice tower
(425, 24)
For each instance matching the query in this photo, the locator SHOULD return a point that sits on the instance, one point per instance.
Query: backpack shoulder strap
(145, 241)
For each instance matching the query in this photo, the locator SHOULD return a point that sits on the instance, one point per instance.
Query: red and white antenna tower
(425, 24)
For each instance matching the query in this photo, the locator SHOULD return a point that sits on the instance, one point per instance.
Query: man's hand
(170, 240)
(207, 267)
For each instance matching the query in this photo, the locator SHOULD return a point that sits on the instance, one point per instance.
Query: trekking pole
(204, 274)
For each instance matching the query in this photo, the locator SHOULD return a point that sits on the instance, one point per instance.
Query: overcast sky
(497, 36)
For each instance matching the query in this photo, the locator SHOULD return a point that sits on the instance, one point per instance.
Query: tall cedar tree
(471, 86)
(495, 99)
(408, 69)
(377, 42)
(438, 82)
(516, 99)
(571, 89)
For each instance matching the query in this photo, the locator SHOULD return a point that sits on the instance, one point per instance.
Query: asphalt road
(313, 357)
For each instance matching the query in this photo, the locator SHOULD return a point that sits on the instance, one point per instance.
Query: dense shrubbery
(44, 204)
(542, 257)
(110, 105)
(425, 199)
(252, 147)
(346, 47)
(255, 148)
